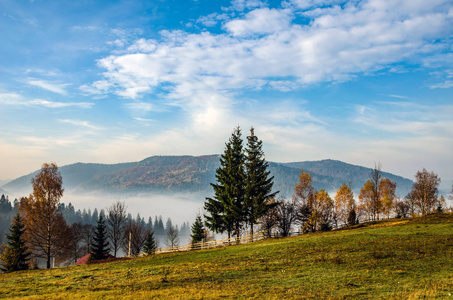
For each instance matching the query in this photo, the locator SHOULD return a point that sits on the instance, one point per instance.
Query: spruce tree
(258, 181)
(16, 255)
(150, 245)
(225, 209)
(100, 245)
(198, 232)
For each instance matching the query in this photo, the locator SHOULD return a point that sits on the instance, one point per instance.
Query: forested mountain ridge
(334, 173)
(171, 174)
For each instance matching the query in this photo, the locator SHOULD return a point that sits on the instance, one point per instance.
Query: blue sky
(115, 81)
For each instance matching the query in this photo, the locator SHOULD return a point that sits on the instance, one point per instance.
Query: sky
(117, 81)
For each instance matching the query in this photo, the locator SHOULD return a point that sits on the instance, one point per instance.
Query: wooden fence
(214, 244)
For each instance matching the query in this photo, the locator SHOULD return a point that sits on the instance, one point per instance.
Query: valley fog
(178, 207)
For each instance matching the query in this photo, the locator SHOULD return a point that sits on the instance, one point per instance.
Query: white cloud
(260, 21)
(399, 96)
(240, 5)
(49, 86)
(79, 123)
(13, 99)
(264, 46)
(212, 19)
(55, 104)
(407, 118)
(443, 85)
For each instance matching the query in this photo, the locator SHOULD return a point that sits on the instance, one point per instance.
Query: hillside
(391, 259)
(337, 172)
(173, 174)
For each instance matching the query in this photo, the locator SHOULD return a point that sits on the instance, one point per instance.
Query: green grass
(391, 259)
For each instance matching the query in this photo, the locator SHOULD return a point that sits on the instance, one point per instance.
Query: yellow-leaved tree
(387, 190)
(344, 203)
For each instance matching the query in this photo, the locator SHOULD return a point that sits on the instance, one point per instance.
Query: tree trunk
(251, 231)
(48, 245)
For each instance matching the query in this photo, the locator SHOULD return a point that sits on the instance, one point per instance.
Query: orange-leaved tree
(46, 229)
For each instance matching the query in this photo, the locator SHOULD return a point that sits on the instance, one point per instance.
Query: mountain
(193, 174)
(74, 176)
(332, 173)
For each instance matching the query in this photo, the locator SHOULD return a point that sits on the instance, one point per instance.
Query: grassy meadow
(390, 259)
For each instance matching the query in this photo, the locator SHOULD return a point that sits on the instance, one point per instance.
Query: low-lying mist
(179, 207)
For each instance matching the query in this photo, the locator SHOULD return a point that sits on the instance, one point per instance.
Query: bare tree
(402, 208)
(116, 219)
(72, 248)
(424, 191)
(134, 237)
(286, 217)
(410, 201)
(269, 221)
(87, 236)
(172, 238)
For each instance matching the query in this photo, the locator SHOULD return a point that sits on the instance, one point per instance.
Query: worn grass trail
(391, 259)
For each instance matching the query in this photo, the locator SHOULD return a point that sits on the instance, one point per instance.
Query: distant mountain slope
(342, 172)
(161, 174)
(74, 176)
(190, 174)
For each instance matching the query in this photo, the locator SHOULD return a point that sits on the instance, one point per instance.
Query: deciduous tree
(387, 190)
(75, 239)
(375, 203)
(269, 220)
(87, 236)
(116, 220)
(286, 216)
(134, 237)
(424, 191)
(172, 238)
(344, 203)
(402, 208)
(44, 224)
(303, 197)
(321, 217)
(366, 200)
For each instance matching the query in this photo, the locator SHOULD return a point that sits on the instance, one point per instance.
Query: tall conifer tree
(225, 209)
(16, 254)
(258, 181)
(100, 245)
